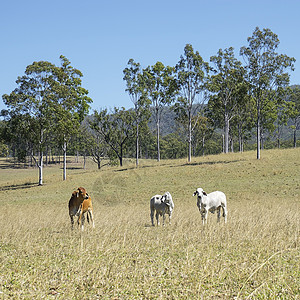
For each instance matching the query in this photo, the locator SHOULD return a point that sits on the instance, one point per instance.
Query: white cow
(162, 204)
(211, 202)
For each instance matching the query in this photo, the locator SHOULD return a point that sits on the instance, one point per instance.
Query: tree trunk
(278, 135)
(121, 156)
(226, 134)
(240, 138)
(190, 138)
(31, 161)
(40, 166)
(65, 161)
(84, 160)
(295, 138)
(258, 136)
(158, 147)
(242, 144)
(50, 152)
(137, 144)
(47, 149)
(223, 142)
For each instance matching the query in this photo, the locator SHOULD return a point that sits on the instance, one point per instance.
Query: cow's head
(168, 201)
(199, 192)
(81, 193)
(166, 198)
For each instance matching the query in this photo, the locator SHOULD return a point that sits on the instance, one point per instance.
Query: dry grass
(255, 256)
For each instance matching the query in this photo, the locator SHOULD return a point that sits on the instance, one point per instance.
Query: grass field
(256, 255)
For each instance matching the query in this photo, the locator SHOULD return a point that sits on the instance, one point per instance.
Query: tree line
(48, 111)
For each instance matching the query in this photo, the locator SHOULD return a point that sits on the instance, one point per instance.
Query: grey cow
(162, 204)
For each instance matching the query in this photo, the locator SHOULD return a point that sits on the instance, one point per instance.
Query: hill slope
(255, 255)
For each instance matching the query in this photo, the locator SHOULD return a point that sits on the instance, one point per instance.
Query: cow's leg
(90, 213)
(204, 217)
(219, 214)
(72, 221)
(152, 216)
(82, 221)
(157, 216)
(225, 213)
(164, 217)
(170, 216)
(81, 218)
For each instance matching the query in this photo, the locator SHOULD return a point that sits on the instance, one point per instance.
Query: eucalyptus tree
(161, 88)
(71, 104)
(116, 129)
(30, 107)
(227, 84)
(267, 70)
(135, 86)
(191, 76)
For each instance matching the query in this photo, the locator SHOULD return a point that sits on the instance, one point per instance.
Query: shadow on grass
(122, 169)
(73, 168)
(21, 186)
(12, 165)
(208, 163)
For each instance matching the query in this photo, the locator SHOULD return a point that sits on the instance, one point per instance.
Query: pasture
(255, 255)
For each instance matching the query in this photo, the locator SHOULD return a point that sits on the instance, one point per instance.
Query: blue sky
(99, 37)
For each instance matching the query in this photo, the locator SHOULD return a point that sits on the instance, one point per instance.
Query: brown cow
(79, 204)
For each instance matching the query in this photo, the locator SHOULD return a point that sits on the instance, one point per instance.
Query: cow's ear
(204, 193)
